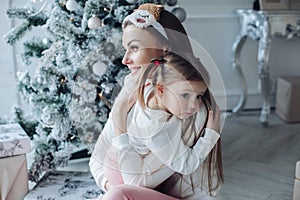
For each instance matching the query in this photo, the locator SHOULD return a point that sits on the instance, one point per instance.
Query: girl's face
(141, 47)
(183, 98)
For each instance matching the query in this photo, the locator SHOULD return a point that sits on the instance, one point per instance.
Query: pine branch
(16, 33)
(31, 18)
(19, 13)
(29, 126)
(34, 48)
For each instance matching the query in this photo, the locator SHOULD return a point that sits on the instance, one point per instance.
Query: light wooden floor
(259, 162)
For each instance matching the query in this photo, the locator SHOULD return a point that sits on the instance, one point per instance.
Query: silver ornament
(179, 13)
(131, 1)
(109, 48)
(171, 2)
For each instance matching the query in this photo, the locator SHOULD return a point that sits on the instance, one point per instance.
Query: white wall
(214, 25)
(8, 93)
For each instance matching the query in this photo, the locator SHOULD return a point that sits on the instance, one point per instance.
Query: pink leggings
(130, 192)
(121, 191)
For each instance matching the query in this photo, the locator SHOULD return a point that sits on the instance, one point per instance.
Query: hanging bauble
(71, 5)
(171, 2)
(179, 13)
(94, 22)
(99, 68)
(131, 1)
(109, 48)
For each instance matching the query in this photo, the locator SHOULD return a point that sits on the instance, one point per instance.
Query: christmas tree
(78, 74)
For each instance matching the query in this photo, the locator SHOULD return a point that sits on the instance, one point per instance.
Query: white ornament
(71, 5)
(45, 41)
(94, 23)
(99, 68)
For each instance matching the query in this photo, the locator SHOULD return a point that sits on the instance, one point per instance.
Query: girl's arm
(164, 140)
(147, 170)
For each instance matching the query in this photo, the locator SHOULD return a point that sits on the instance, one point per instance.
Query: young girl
(137, 54)
(176, 95)
(157, 126)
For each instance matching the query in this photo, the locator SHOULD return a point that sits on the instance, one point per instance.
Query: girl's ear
(160, 89)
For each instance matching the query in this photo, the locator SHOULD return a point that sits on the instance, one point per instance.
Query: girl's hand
(214, 119)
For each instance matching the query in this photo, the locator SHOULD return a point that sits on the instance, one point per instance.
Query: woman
(142, 43)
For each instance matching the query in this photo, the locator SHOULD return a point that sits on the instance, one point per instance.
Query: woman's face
(140, 48)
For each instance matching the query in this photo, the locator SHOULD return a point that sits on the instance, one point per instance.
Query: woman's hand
(123, 104)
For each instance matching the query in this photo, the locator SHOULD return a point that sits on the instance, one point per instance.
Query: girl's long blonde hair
(186, 67)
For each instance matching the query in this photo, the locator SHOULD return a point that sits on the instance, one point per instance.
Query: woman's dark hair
(178, 40)
(177, 35)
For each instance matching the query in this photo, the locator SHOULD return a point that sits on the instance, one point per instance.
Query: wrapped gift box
(67, 185)
(13, 140)
(287, 98)
(14, 144)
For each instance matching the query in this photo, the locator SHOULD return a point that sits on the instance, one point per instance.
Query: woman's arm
(115, 125)
(100, 152)
(123, 103)
(147, 170)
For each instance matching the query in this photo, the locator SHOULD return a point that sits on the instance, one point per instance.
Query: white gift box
(14, 144)
(13, 140)
(67, 185)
